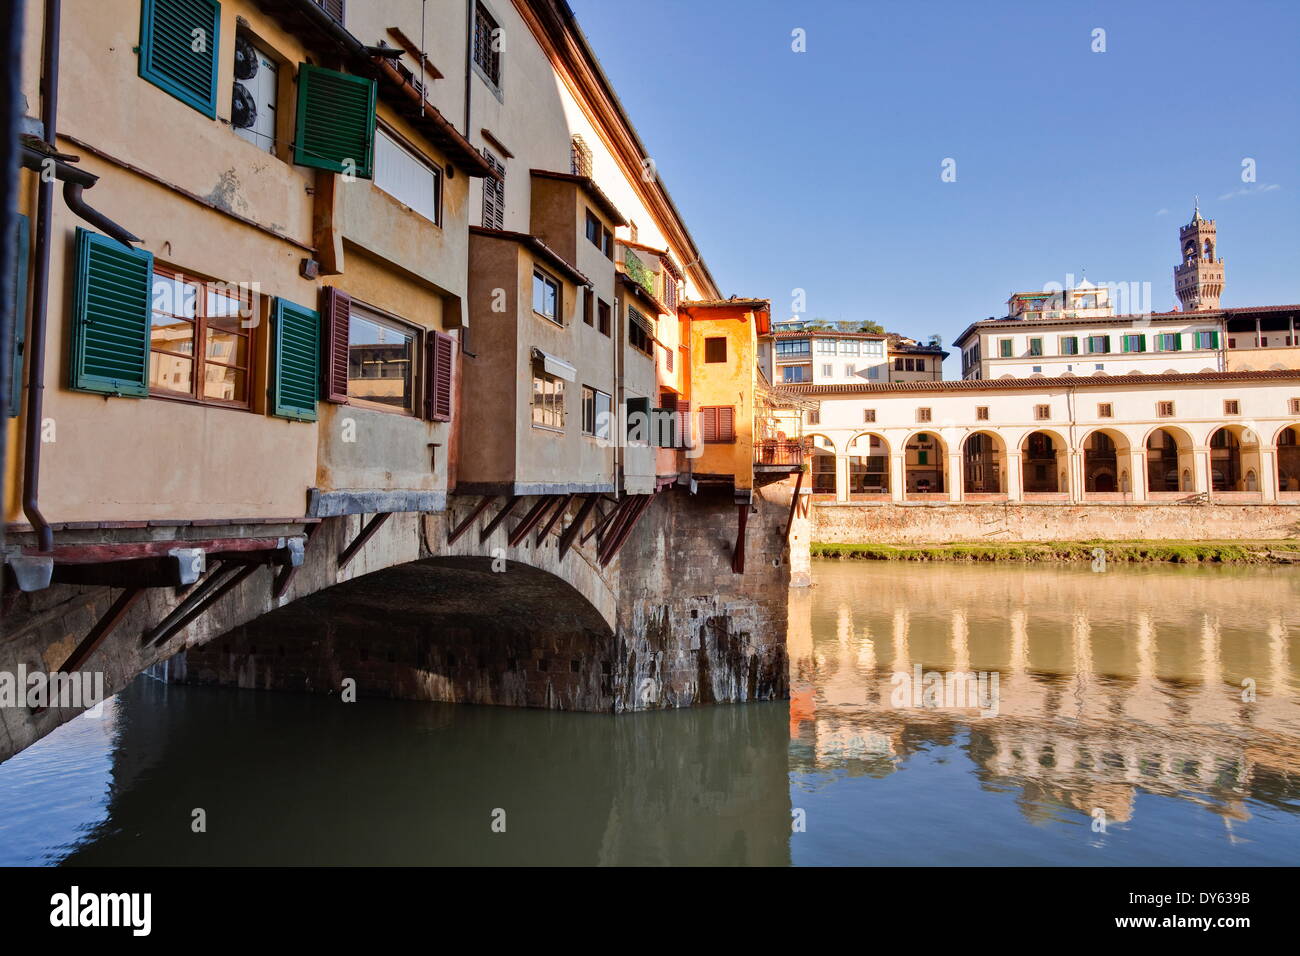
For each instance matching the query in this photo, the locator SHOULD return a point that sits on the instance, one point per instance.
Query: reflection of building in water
(1107, 686)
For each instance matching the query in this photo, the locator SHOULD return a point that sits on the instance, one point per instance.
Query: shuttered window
(718, 424)
(336, 310)
(336, 121)
(494, 194)
(439, 356)
(295, 361)
(178, 49)
(333, 7)
(21, 251)
(684, 423)
(110, 320)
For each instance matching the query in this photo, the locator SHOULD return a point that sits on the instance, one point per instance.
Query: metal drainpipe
(41, 287)
(469, 58)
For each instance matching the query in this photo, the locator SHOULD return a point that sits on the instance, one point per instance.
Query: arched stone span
(925, 463)
(458, 629)
(984, 457)
(1170, 464)
(1044, 460)
(1106, 458)
(868, 464)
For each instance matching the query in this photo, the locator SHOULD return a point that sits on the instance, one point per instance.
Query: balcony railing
(779, 452)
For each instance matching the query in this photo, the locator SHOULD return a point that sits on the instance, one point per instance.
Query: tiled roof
(824, 334)
(1081, 381)
(541, 249)
(761, 304)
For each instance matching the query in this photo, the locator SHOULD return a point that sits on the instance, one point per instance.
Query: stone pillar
(955, 476)
(898, 476)
(1137, 471)
(1201, 479)
(1074, 474)
(1268, 472)
(1015, 478)
(841, 477)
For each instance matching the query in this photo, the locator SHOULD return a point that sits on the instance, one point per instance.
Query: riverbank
(1283, 551)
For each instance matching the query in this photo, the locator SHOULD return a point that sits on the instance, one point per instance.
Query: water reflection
(1120, 701)
(1114, 688)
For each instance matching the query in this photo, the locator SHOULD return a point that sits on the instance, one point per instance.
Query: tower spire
(1198, 279)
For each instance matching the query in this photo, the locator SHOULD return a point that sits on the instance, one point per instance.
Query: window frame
(557, 389)
(550, 280)
(369, 313)
(199, 341)
(493, 61)
(709, 342)
(440, 174)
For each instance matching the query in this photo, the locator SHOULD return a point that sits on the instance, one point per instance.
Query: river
(1139, 716)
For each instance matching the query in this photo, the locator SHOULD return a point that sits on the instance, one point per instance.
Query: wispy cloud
(1253, 190)
(1162, 212)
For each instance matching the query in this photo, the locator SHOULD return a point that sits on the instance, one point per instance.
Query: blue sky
(821, 170)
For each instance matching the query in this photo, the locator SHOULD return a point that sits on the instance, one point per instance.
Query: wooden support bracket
(794, 505)
(738, 556)
(461, 528)
(617, 539)
(367, 532)
(545, 529)
(572, 531)
(530, 521)
(496, 521)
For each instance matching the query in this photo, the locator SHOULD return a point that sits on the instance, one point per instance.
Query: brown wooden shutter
(336, 314)
(439, 351)
(726, 423)
(333, 7)
(709, 424)
(684, 422)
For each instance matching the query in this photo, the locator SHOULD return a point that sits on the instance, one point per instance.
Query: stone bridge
(491, 602)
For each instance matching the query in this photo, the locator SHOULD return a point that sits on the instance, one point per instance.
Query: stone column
(1074, 474)
(1201, 478)
(841, 477)
(1137, 471)
(1268, 472)
(898, 476)
(1015, 478)
(955, 476)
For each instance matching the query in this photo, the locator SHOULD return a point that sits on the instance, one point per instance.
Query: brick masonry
(987, 523)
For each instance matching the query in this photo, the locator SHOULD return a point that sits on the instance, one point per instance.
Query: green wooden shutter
(170, 31)
(110, 317)
(336, 121)
(295, 361)
(22, 250)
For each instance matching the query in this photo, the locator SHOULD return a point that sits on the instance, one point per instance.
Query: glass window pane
(227, 347)
(171, 334)
(380, 362)
(173, 296)
(224, 384)
(171, 373)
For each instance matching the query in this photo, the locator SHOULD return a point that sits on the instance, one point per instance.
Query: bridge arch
(925, 463)
(1044, 457)
(1106, 456)
(822, 456)
(869, 455)
(1170, 460)
(984, 460)
(1287, 443)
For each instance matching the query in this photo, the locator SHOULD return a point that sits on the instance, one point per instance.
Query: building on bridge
(328, 270)
(1230, 437)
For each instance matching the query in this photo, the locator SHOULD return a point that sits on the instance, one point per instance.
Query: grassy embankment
(1177, 552)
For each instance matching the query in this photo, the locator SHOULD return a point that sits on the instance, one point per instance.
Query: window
(1105, 410)
(873, 371)
(333, 7)
(792, 347)
(596, 407)
(718, 424)
(546, 296)
(814, 418)
(898, 365)
(548, 399)
(336, 121)
(1169, 342)
(826, 346)
(1209, 340)
(494, 193)
(668, 359)
(1038, 370)
(1165, 409)
(487, 46)
(200, 344)
(1135, 343)
(254, 95)
(794, 373)
(909, 365)
(670, 291)
(295, 361)
(1098, 344)
(111, 317)
(408, 177)
(168, 58)
(595, 229)
(850, 369)
(981, 413)
(715, 349)
(602, 316)
(1293, 406)
(1035, 346)
(1004, 348)
(638, 331)
(588, 306)
(868, 415)
(828, 370)
(923, 414)
(381, 361)
(1231, 406)
(1042, 412)
(849, 347)
(1069, 345)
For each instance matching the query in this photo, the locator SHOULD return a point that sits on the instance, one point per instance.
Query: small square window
(1042, 412)
(868, 414)
(1165, 409)
(1231, 406)
(923, 414)
(715, 349)
(1105, 410)
(982, 413)
(546, 296)
(1294, 405)
(828, 370)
